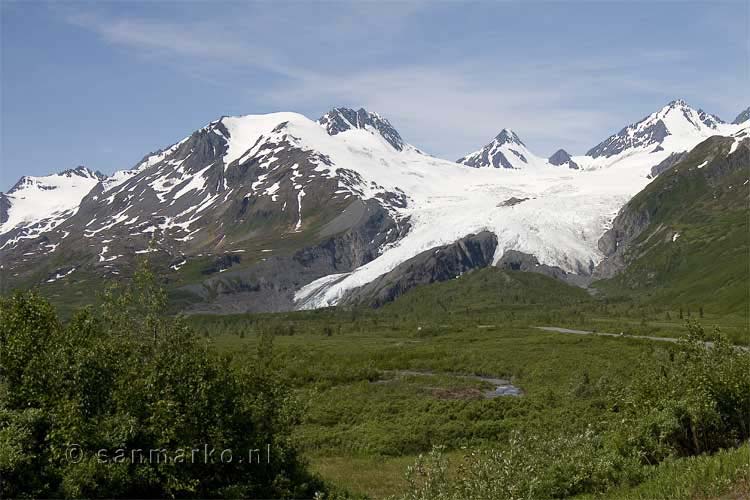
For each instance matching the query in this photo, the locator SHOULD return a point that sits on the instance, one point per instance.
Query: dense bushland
(113, 403)
(377, 388)
(695, 401)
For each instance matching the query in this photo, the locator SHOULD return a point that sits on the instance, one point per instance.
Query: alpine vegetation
(396, 250)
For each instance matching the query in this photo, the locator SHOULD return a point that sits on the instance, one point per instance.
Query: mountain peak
(561, 157)
(677, 117)
(686, 109)
(506, 135)
(48, 181)
(742, 117)
(82, 171)
(341, 119)
(50, 199)
(677, 103)
(506, 150)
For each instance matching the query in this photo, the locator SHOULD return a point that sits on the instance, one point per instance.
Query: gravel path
(604, 334)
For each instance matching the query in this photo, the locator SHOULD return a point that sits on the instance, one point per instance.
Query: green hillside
(486, 290)
(694, 251)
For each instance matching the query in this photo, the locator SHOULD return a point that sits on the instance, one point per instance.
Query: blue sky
(102, 84)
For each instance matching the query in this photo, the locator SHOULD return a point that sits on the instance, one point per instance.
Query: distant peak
(506, 135)
(341, 119)
(351, 118)
(678, 103)
(561, 157)
(351, 112)
(686, 109)
(677, 116)
(506, 150)
(742, 117)
(82, 171)
(44, 182)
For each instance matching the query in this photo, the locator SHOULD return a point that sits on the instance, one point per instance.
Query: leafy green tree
(127, 377)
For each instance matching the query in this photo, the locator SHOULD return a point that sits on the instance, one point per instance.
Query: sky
(103, 84)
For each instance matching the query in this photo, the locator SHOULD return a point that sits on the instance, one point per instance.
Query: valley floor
(380, 387)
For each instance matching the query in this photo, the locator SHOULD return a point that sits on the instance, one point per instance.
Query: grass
(378, 387)
(362, 425)
(492, 298)
(361, 434)
(724, 475)
(367, 414)
(363, 422)
(348, 411)
(707, 265)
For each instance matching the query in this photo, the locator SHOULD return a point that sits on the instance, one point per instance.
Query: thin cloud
(191, 41)
(444, 107)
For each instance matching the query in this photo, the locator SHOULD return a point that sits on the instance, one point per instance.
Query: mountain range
(278, 212)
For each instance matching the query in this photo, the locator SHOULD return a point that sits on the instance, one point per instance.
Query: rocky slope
(561, 158)
(239, 186)
(506, 150)
(440, 264)
(686, 234)
(273, 212)
(671, 124)
(743, 117)
(36, 205)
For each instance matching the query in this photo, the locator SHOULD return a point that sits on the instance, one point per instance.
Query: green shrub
(528, 467)
(124, 378)
(696, 400)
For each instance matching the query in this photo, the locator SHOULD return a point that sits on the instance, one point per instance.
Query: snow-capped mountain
(561, 158)
(675, 127)
(342, 119)
(35, 205)
(506, 150)
(657, 141)
(239, 185)
(278, 211)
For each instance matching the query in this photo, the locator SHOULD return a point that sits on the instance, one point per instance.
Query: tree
(127, 377)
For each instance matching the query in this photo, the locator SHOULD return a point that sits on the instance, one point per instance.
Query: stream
(503, 387)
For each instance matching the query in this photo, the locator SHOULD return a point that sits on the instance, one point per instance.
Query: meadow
(379, 387)
(451, 392)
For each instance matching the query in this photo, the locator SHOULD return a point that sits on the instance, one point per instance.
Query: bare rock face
(614, 243)
(447, 262)
(513, 260)
(562, 158)
(645, 219)
(742, 117)
(342, 119)
(4, 206)
(667, 163)
(350, 240)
